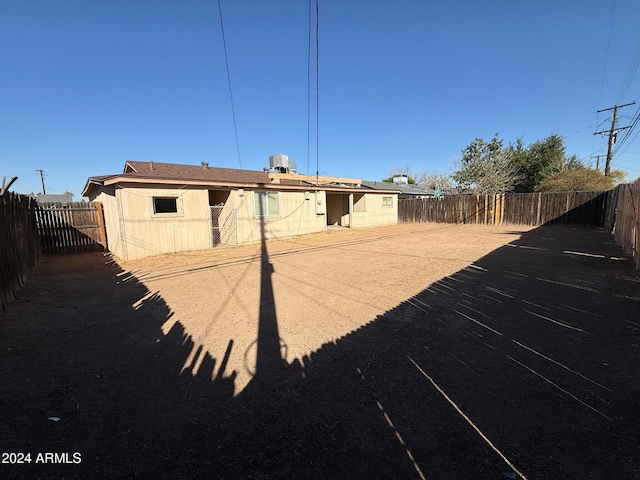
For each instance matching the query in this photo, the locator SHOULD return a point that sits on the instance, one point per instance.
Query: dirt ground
(414, 351)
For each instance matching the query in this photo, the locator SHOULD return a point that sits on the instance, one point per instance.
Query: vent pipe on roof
(150, 164)
(205, 165)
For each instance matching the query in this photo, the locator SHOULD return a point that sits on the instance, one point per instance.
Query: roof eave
(90, 185)
(125, 179)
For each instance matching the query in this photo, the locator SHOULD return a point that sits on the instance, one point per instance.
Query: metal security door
(223, 226)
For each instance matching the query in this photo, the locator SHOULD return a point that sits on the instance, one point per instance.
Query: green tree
(490, 167)
(486, 168)
(540, 160)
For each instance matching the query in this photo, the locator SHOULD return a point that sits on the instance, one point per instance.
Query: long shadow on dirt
(523, 363)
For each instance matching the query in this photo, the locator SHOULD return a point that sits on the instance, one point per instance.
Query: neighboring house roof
(53, 197)
(203, 175)
(414, 190)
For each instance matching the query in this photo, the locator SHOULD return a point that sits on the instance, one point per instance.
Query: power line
(631, 73)
(582, 159)
(309, 89)
(628, 133)
(627, 168)
(317, 92)
(226, 61)
(606, 61)
(606, 58)
(580, 131)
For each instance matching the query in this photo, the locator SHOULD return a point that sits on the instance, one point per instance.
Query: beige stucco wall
(374, 214)
(297, 216)
(107, 197)
(134, 231)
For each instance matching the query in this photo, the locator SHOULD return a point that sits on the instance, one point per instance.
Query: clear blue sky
(87, 84)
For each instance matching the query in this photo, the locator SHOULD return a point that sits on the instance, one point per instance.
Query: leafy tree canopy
(486, 168)
(542, 166)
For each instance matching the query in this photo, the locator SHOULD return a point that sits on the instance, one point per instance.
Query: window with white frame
(387, 201)
(266, 204)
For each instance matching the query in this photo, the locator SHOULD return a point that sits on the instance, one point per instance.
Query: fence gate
(71, 228)
(223, 226)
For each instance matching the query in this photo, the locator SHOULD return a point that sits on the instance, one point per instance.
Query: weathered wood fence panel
(19, 244)
(478, 209)
(71, 228)
(566, 208)
(623, 218)
(563, 208)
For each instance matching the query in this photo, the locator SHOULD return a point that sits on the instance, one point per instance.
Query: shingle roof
(169, 173)
(53, 197)
(177, 174)
(176, 171)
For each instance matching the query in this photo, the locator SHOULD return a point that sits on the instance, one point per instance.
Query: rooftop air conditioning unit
(281, 163)
(401, 179)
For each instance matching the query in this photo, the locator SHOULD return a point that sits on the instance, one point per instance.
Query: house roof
(177, 174)
(53, 197)
(203, 175)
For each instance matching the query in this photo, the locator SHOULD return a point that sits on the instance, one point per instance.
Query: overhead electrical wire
(627, 133)
(317, 91)
(309, 89)
(226, 60)
(233, 113)
(606, 61)
(606, 58)
(633, 69)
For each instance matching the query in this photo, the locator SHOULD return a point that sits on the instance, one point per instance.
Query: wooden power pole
(42, 179)
(612, 133)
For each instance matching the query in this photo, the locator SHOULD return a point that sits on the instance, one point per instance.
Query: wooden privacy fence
(556, 208)
(568, 208)
(71, 228)
(623, 219)
(19, 244)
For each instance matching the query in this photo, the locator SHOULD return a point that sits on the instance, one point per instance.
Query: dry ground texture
(415, 351)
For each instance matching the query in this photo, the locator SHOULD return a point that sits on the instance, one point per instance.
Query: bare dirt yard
(414, 351)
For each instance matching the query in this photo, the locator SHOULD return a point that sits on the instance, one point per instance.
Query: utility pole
(597, 161)
(612, 133)
(42, 179)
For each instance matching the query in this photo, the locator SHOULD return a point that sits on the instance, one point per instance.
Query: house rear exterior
(157, 208)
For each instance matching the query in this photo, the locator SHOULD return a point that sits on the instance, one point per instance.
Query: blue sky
(87, 85)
